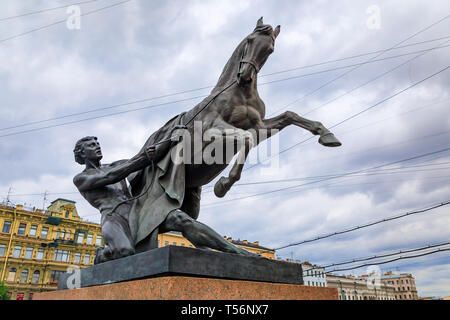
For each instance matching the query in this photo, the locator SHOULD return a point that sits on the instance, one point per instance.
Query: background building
(313, 275)
(404, 284)
(360, 288)
(36, 247)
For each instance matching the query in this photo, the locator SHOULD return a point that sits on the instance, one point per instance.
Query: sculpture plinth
(183, 261)
(173, 272)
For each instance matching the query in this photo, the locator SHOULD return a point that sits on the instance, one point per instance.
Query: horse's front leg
(291, 118)
(246, 140)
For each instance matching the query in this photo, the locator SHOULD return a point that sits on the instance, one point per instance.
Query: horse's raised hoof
(221, 188)
(329, 140)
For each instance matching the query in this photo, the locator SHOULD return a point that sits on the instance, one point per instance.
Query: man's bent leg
(116, 238)
(199, 234)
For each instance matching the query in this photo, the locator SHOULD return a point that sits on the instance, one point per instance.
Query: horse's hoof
(220, 189)
(329, 140)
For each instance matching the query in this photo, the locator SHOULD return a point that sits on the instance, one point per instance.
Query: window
(44, 232)
(77, 258)
(87, 258)
(63, 234)
(29, 253)
(174, 243)
(98, 241)
(89, 239)
(62, 255)
(22, 228)
(68, 235)
(182, 244)
(58, 255)
(24, 276)
(33, 230)
(2, 250)
(40, 254)
(54, 275)
(35, 278)
(6, 227)
(58, 232)
(80, 238)
(67, 213)
(166, 243)
(17, 250)
(12, 275)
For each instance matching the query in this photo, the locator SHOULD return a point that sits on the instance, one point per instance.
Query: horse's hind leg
(315, 127)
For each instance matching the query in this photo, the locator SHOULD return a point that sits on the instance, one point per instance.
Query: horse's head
(258, 46)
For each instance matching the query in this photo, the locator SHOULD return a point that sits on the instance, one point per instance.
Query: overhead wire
(208, 87)
(61, 21)
(328, 178)
(366, 225)
(363, 226)
(45, 10)
(356, 114)
(389, 261)
(404, 251)
(376, 173)
(357, 67)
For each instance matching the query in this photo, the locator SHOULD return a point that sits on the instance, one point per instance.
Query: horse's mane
(229, 72)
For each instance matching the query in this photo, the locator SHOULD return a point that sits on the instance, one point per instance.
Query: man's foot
(247, 253)
(99, 257)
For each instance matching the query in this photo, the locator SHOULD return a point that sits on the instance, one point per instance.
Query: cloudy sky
(131, 67)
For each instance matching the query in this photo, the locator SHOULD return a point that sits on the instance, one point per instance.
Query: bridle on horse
(242, 60)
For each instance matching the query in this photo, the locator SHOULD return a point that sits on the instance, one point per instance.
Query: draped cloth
(165, 194)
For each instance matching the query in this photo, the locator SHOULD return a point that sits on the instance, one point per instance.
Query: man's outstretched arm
(115, 172)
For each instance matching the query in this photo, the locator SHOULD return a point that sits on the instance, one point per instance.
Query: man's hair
(79, 147)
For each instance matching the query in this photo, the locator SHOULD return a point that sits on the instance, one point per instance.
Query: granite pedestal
(173, 272)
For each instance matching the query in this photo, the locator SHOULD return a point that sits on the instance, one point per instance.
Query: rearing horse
(233, 106)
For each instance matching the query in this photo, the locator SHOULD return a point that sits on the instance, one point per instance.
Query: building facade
(404, 284)
(313, 275)
(36, 247)
(360, 288)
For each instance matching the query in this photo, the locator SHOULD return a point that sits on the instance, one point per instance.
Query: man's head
(87, 148)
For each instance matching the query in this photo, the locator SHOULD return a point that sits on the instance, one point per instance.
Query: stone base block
(192, 288)
(190, 262)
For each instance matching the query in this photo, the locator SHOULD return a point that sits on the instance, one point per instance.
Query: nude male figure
(105, 188)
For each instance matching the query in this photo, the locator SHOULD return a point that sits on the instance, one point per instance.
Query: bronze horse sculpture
(165, 194)
(234, 105)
